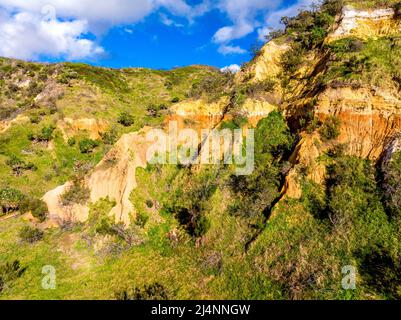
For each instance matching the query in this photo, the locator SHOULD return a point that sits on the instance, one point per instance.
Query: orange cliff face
(199, 114)
(115, 175)
(369, 119)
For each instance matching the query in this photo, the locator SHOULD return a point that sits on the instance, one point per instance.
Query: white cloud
(59, 28)
(227, 49)
(27, 36)
(250, 15)
(234, 68)
(244, 16)
(263, 32)
(106, 13)
(227, 34)
(27, 31)
(169, 22)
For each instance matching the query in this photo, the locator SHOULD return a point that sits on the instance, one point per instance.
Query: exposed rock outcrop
(369, 118)
(305, 160)
(94, 127)
(366, 23)
(113, 177)
(266, 64)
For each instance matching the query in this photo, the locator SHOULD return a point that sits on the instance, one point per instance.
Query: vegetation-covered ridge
(325, 192)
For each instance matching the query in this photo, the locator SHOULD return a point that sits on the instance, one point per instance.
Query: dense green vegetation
(357, 62)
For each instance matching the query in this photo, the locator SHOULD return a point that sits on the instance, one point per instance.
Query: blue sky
(159, 34)
(153, 44)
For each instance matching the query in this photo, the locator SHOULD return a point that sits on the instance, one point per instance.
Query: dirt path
(9, 217)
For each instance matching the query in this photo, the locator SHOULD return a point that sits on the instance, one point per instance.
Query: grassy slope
(371, 4)
(89, 92)
(103, 94)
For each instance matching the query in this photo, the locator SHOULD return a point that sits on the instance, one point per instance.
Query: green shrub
(126, 119)
(382, 273)
(346, 45)
(88, 145)
(254, 194)
(99, 220)
(101, 223)
(189, 200)
(353, 198)
(10, 199)
(45, 135)
(201, 226)
(212, 87)
(236, 123)
(19, 166)
(273, 136)
(175, 100)
(30, 235)
(153, 291)
(141, 219)
(155, 110)
(76, 194)
(314, 199)
(10, 272)
(110, 137)
(330, 129)
(37, 207)
(391, 185)
(72, 141)
(292, 59)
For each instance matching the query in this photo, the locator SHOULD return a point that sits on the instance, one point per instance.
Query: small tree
(10, 199)
(10, 272)
(88, 145)
(201, 226)
(19, 166)
(126, 119)
(154, 291)
(37, 207)
(30, 235)
(330, 129)
(45, 135)
(76, 194)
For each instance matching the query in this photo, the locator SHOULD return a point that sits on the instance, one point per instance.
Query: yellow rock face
(366, 24)
(94, 127)
(255, 110)
(200, 107)
(266, 65)
(369, 119)
(113, 177)
(306, 155)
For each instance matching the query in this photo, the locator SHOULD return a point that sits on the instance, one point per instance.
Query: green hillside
(202, 232)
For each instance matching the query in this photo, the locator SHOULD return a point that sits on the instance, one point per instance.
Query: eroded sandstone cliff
(370, 116)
